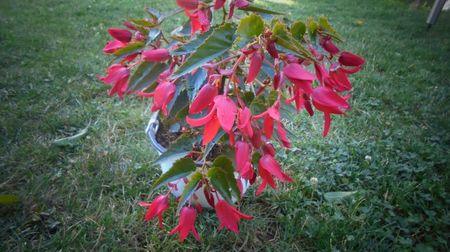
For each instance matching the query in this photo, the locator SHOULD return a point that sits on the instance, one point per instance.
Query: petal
(270, 164)
(201, 121)
(219, 4)
(188, 4)
(328, 101)
(350, 59)
(261, 188)
(120, 34)
(113, 46)
(210, 130)
(283, 136)
(156, 55)
(242, 3)
(204, 98)
(268, 126)
(255, 65)
(295, 71)
(330, 47)
(242, 155)
(226, 112)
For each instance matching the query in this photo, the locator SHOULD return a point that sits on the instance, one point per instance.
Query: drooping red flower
(204, 98)
(243, 160)
(117, 75)
(120, 34)
(156, 208)
(350, 59)
(156, 55)
(338, 80)
(270, 115)
(327, 101)
(186, 224)
(229, 216)
(188, 4)
(222, 113)
(245, 122)
(113, 46)
(282, 135)
(299, 76)
(200, 20)
(256, 62)
(329, 46)
(272, 49)
(162, 96)
(268, 166)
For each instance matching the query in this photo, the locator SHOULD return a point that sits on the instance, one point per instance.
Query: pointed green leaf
(214, 46)
(143, 22)
(189, 189)
(226, 165)
(250, 26)
(312, 26)
(298, 30)
(328, 29)
(178, 149)
(210, 145)
(180, 169)
(129, 49)
(254, 8)
(192, 45)
(145, 75)
(217, 177)
(196, 81)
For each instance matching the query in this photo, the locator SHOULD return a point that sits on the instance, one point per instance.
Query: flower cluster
(232, 83)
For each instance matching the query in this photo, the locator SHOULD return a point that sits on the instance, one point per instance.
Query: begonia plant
(225, 87)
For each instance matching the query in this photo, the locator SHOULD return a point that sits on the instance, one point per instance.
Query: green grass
(84, 197)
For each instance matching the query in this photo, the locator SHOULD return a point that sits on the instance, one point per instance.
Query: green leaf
(254, 8)
(248, 97)
(178, 149)
(214, 46)
(154, 13)
(226, 165)
(279, 30)
(145, 75)
(250, 26)
(328, 29)
(196, 81)
(143, 22)
(180, 169)
(217, 177)
(189, 189)
(178, 103)
(129, 49)
(337, 196)
(69, 141)
(153, 34)
(8, 199)
(312, 26)
(298, 30)
(210, 145)
(192, 45)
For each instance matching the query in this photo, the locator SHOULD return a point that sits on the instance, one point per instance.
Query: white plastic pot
(177, 186)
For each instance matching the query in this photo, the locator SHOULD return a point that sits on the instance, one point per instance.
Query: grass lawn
(392, 148)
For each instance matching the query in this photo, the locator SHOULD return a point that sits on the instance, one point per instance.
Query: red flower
(282, 135)
(327, 101)
(243, 161)
(156, 208)
(299, 76)
(200, 20)
(271, 114)
(186, 224)
(204, 98)
(219, 4)
(229, 216)
(245, 122)
(162, 96)
(267, 167)
(222, 113)
(242, 3)
(188, 4)
(113, 46)
(350, 59)
(117, 75)
(156, 55)
(120, 34)
(338, 80)
(329, 46)
(256, 62)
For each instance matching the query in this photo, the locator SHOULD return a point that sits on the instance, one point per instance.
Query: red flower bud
(330, 47)
(219, 4)
(350, 59)
(204, 98)
(120, 34)
(256, 62)
(188, 4)
(113, 46)
(156, 55)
